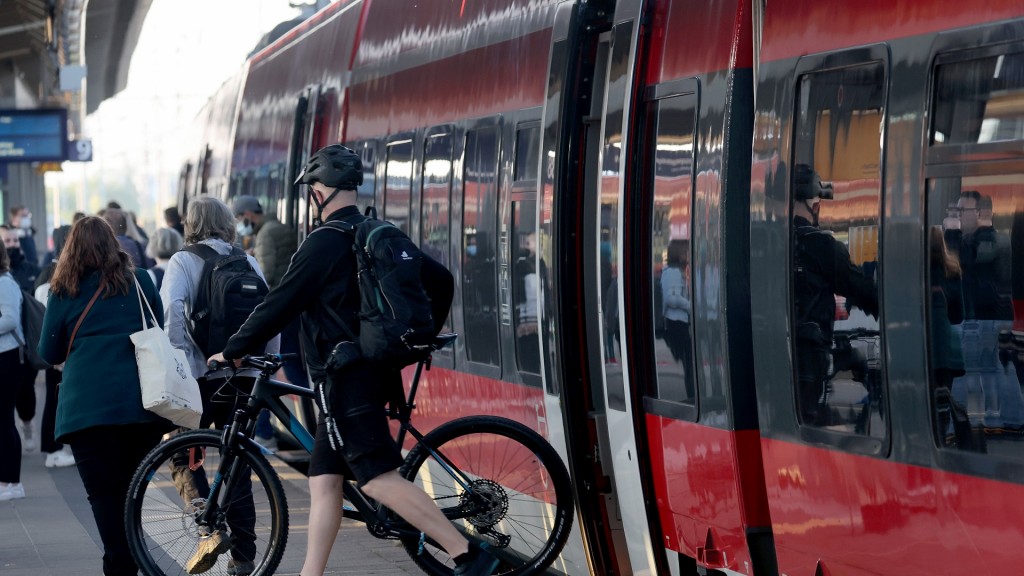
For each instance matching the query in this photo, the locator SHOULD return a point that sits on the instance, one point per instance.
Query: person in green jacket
(92, 310)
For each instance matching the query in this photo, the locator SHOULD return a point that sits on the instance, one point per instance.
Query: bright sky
(187, 49)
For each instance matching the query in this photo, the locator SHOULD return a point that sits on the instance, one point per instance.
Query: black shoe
(483, 564)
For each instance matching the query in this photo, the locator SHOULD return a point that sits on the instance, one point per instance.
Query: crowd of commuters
(94, 282)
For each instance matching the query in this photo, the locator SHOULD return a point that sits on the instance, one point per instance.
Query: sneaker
(11, 491)
(482, 564)
(28, 441)
(241, 567)
(59, 459)
(207, 552)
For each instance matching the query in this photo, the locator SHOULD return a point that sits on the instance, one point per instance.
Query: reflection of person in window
(823, 269)
(983, 256)
(947, 356)
(479, 297)
(675, 305)
(527, 343)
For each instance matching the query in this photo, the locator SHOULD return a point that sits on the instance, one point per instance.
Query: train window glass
(670, 178)
(526, 285)
(527, 154)
(479, 217)
(435, 215)
(976, 316)
(365, 194)
(398, 184)
(979, 101)
(836, 208)
(437, 182)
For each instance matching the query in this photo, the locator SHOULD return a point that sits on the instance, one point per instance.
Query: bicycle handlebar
(260, 362)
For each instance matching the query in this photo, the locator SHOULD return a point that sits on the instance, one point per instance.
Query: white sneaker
(28, 440)
(59, 459)
(11, 491)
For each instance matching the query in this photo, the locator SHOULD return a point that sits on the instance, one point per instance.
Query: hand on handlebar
(217, 361)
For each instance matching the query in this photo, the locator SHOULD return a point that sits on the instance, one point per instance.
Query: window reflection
(435, 215)
(836, 192)
(479, 214)
(398, 184)
(526, 284)
(980, 100)
(671, 184)
(976, 280)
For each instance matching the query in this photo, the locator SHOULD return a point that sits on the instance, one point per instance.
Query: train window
(435, 216)
(479, 220)
(976, 316)
(437, 182)
(365, 194)
(670, 178)
(836, 208)
(398, 184)
(527, 154)
(526, 280)
(979, 101)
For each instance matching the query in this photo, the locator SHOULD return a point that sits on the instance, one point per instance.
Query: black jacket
(322, 274)
(823, 269)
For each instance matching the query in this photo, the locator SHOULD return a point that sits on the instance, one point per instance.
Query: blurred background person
(57, 455)
(119, 223)
(172, 219)
(10, 363)
(274, 246)
(166, 242)
(24, 274)
(20, 220)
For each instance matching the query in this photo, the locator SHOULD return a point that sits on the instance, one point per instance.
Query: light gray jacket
(178, 292)
(10, 313)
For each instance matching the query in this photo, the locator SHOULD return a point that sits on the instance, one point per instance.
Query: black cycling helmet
(335, 166)
(807, 185)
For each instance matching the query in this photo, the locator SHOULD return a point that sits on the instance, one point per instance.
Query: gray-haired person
(208, 222)
(166, 242)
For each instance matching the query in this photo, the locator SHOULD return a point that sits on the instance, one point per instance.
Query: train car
(617, 187)
(910, 459)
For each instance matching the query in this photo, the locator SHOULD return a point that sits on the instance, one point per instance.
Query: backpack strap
(205, 252)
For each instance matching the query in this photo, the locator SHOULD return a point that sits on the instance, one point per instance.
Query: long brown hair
(940, 254)
(92, 247)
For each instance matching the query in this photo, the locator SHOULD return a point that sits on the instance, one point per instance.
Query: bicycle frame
(266, 393)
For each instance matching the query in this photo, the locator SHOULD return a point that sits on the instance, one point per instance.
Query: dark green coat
(101, 379)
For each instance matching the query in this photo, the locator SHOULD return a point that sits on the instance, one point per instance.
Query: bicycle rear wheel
(519, 498)
(169, 491)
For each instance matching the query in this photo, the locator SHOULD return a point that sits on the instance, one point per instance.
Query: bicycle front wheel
(507, 488)
(170, 491)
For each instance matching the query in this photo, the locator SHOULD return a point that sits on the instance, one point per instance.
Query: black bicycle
(498, 481)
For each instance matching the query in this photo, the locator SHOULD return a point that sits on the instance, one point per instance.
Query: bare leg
(413, 504)
(326, 498)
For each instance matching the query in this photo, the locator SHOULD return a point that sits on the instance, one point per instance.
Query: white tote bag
(168, 388)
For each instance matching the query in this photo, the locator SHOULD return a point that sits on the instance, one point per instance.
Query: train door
(568, 267)
(308, 135)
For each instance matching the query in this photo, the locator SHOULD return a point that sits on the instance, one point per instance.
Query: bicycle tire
(523, 479)
(161, 528)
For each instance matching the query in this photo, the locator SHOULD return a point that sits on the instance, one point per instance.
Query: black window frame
(689, 88)
(826, 62)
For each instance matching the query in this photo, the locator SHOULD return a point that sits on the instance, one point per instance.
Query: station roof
(38, 37)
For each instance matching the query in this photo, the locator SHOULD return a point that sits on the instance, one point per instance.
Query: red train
(617, 188)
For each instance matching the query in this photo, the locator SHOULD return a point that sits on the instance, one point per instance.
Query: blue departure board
(38, 135)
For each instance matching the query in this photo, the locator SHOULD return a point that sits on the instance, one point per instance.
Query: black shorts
(360, 394)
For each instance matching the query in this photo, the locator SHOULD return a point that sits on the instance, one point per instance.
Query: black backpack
(229, 290)
(401, 290)
(32, 312)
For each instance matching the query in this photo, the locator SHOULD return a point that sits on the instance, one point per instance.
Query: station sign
(35, 135)
(79, 150)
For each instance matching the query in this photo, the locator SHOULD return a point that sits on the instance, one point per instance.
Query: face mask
(15, 255)
(471, 250)
(26, 222)
(243, 228)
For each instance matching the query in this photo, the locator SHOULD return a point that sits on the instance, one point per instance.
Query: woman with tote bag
(92, 311)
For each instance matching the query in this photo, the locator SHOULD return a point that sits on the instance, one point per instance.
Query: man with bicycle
(321, 285)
